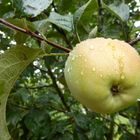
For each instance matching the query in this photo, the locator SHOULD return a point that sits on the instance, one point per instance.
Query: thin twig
(111, 129)
(100, 19)
(135, 41)
(55, 85)
(12, 26)
(58, 89)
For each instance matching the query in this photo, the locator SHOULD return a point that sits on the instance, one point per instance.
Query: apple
(104, 74)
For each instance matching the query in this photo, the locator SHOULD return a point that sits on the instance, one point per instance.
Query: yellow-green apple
(104, 74)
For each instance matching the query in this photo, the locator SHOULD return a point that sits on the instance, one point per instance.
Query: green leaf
(82, 121)
(135, 29)
(21, 95)
(17, 5)
(12, 63)
(6, 10)
(65, 136)
(35, 7)
(85, 11)
(63, 21)
(127, 136)
(23, 23)
(41, 25)
(20, 37)
(35, 120)
(119, 10)
(93, 32)
(98, 129)
(83, 17)
(79, 134)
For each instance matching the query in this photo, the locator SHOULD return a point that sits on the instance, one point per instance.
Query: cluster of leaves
(40, 106)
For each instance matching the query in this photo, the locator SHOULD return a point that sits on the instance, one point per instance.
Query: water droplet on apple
(68, 70)
(116, 70)
(122, 76)
(91, 47)
(121, 65)
(93, 69)
(101, 75)
(85, 60)
(82, 72)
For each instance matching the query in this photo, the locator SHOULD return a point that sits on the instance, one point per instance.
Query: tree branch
(58, 89)
(40, 38)
(100, 19)
(133, 42)
(55, 85)
(111, 129)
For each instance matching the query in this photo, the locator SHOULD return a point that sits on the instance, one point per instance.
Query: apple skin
(104, 74)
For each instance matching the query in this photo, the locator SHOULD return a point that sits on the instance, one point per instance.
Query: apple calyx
(115, 89)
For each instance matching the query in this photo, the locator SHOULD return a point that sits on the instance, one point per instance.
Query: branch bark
(111, 129)
(100, 19)
(40, 38)
(55, 85)
(58, 89)
(133, 42)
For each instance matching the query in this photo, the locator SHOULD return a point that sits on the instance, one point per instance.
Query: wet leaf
(12, 63)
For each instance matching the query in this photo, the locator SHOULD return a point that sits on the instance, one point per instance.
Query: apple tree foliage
(35, 102)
